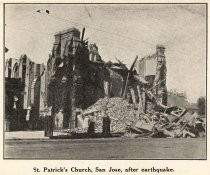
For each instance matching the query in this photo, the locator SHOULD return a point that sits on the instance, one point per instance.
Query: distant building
(23, 76)
(193, 107)
(177, 99)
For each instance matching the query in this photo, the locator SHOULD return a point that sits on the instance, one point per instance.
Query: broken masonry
(78, 77)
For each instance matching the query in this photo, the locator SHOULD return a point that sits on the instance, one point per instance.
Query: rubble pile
(119, 111)
(175, 122)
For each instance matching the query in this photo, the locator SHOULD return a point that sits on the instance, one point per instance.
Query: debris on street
(172, 122)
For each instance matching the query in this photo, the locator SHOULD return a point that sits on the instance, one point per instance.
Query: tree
(201, 103)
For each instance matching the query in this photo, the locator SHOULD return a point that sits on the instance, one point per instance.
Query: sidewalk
(39, 135)
(28, 135)
(25, 135)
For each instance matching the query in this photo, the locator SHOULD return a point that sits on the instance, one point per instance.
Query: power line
(40, 11)
(43, 12)
(48, 34)
(28, 30)
(103, 45)
(94, 28)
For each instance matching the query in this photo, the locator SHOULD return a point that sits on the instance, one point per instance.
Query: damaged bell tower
(65, 76)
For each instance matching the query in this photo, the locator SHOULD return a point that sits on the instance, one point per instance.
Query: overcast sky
(121, 31)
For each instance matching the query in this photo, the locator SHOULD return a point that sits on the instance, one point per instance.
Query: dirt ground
(107, 148)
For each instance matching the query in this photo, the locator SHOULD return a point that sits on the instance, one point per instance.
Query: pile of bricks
(120, 112)
(173, 122)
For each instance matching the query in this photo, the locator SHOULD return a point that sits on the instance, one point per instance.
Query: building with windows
(23, 92)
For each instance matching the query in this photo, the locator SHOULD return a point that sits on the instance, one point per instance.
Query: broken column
(160, 77)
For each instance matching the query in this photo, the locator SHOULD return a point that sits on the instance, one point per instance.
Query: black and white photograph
(88, 81)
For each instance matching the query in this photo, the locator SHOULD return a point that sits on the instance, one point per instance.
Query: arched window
(16, 70)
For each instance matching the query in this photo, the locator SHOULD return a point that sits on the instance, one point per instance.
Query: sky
(119, 30)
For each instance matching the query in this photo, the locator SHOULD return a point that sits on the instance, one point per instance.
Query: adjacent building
(22, 93)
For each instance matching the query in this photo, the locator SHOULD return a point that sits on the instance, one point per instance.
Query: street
(106, 148)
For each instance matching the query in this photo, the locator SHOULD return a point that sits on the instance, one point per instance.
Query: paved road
(108, 148)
